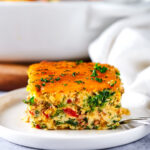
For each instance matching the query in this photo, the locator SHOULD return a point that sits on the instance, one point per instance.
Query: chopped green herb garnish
(43, 126)
(74, 74)
(79, 81)
(63, 74)
(95, 127)
(72, 122)
(114, 121)
(94, 74)
(43, 72)
(30, 101)
(51, 75)
(100, 68)
(87, 128)
(118, 106)
(65, 84)
(43, 84)
(57, 79)
(44, 80)
(112, 126)
(52, 81)
(86, 119)
(99, 99)
(58, 111)
(61, 105)
(118, 73)
(37, 112)
(112, 84)
(57, 123)
(79, 62)
(98, 79)
(38, 86)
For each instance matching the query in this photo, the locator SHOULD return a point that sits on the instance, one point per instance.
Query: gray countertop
(143, 144)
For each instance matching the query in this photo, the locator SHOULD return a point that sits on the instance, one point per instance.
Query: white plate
(13, 129)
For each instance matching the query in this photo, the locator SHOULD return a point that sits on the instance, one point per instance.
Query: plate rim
(6, 132)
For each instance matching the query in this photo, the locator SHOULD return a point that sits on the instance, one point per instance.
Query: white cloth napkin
(126, 45)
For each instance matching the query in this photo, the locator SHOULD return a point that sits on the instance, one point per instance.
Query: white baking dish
(32, 31)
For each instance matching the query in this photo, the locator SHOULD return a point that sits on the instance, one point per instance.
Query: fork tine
(141, 120)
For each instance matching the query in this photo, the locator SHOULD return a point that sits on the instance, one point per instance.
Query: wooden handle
(12, 76)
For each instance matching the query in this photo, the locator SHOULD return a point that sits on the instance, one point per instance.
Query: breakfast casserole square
(74, 95)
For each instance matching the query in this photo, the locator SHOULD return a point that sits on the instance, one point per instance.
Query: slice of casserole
(74, 95)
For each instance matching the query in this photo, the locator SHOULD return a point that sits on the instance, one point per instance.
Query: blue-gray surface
(143, 144)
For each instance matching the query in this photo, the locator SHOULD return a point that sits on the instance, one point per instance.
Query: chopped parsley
(43, 72)
(100, 99)
(62, 74)
(118, 73)
(74, 74)
(112, 126)
(57, 123)
(44, 80)
(113, 83)
(94, 74)
(118, 106)
(79, 81)
(72, 122)
(60, 105)
(98, 79)
(57, 79)
(57, 113)
(95, 127)
(114, 121)
(43, 126)
(100, 68)
(86, 119)
(79, 62)
(30, 101)
(38, 86)
(50, 79)
(43, 84)
(65, 84)
(37, 112)
(87, 128)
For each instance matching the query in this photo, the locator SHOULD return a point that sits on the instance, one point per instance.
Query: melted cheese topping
(69, 76)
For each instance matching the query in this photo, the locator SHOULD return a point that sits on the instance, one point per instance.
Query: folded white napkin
(126, 45)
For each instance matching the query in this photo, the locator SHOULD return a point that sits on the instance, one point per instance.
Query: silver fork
(141, 120)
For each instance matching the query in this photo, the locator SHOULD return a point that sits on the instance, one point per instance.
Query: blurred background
(35, 30)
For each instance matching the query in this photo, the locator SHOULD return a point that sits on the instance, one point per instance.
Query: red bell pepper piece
(46, 115)
(70, 112)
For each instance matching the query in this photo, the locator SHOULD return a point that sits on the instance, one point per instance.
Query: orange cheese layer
(70, 76)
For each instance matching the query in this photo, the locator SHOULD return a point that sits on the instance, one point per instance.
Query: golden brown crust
(67, 81)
